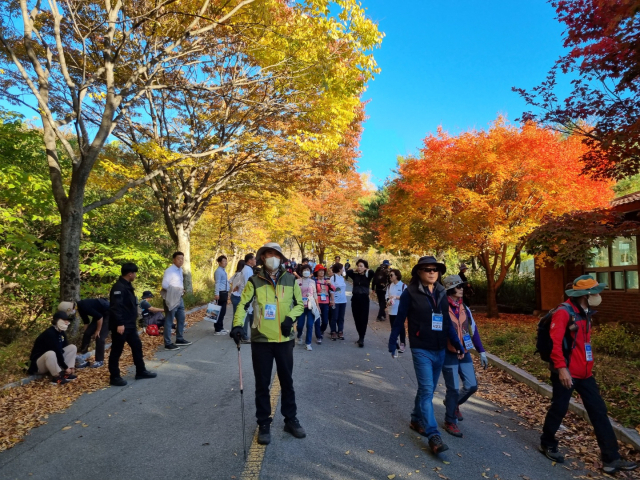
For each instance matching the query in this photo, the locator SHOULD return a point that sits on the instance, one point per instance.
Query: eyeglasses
(428, 270)
(460, 287)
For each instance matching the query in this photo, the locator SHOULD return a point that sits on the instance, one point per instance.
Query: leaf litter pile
(576, 436)
(25, 407)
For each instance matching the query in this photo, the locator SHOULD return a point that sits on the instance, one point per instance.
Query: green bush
(517, 293)
(616, 340)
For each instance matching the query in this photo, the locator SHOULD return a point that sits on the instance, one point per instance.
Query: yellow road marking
(255, 457)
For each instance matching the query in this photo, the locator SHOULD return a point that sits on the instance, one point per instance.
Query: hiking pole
(244, 443)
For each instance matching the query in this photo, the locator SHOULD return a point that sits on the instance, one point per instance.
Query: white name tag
(436, 322)
(588, 352)
(270, 311)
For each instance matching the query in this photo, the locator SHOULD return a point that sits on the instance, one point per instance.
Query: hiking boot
(437, 445)
(416, 426)
(171, 346)
(97, 364)
(334, 336)
(457, 414)
(146, 374)
(118, 382)
(264, 434)
(452, 428)
(552, 453)
(617, 465)
(59, 380)
(293, 427)
(184, 342)
(340, 336)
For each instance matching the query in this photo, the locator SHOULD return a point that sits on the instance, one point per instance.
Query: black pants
(131, 337)
(382, 302)
(403, 333)
(596, 408)
(360, 310)
(222, 301)
(88, 337)
(262, 355)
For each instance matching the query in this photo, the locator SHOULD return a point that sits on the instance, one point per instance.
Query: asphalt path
(353, 402)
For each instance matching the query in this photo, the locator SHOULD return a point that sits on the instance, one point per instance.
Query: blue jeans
(235, 301)
(308, 314)
(337, 317)
(169, 315)
(428, 365)
(452, 371)
(321, 326)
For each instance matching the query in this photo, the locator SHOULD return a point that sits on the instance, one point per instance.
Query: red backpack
(152, 330)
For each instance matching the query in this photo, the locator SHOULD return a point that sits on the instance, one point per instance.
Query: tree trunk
(184, 245)
(70, 234)
(492, 300)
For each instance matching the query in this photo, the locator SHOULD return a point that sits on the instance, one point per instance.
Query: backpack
(152, 330)
(544, 344)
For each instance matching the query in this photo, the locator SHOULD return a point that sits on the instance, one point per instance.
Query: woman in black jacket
(361, 277)
(52, 354)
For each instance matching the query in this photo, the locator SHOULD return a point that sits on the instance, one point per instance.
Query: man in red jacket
(571, 365)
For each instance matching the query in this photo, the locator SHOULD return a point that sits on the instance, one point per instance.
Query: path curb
(625, 435)
(31, 378)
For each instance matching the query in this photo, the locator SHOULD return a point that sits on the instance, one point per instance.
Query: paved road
(186, 423)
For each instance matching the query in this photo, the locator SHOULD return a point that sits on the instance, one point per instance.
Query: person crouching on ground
(571, 369)
(277, 302)
(309, 295)
(52, 354)
(454, 368)
(424, 303)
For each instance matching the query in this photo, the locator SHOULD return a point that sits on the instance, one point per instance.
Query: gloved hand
(285, 327)
(236, 334)
(483, 360)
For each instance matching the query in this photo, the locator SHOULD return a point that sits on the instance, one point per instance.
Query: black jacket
(123, 305)
(50, 339)
(96, 308)
(381, 279)
(416, 307)
(360, 282)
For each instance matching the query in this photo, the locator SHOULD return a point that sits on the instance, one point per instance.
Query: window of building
(617, 265)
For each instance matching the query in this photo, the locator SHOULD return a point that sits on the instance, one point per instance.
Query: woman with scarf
(456, 369)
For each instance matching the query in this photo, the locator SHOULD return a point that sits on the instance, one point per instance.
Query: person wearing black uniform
(123, 314)
(380, 283)
(361, 277)
(97, 326)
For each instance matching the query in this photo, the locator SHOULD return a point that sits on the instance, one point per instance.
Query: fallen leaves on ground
(28, 406)
(576, 436)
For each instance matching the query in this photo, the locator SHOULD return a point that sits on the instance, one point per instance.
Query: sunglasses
(428, 270)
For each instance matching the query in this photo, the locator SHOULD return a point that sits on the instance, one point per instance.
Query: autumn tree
(603, 58)
(83, 66)
(483, 192)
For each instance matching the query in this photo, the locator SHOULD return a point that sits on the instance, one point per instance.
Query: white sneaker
(300, 342)
(309, 348)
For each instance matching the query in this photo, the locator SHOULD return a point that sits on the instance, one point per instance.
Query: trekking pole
(244, 443)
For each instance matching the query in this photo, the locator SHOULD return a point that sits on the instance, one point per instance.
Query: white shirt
(173, 278)
(340, 294)
(395, 290)
(247, 271)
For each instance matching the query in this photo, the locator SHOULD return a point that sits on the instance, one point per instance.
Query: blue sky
(451, 63)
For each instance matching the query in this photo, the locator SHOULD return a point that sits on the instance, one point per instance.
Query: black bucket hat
(147, 294)
(428, 260)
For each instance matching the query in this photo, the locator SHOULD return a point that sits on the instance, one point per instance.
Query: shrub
(616, 340)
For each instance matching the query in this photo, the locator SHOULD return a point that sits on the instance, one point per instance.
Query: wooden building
(617, 266)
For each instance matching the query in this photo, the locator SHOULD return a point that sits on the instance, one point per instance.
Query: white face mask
(306, 274)
(272, 263)
(594, 300)
(62, 325)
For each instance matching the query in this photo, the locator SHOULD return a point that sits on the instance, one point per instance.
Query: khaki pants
(48, 363)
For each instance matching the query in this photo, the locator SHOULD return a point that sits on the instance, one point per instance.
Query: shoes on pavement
(146, 374)
(300, 341)
(334, 336)
(171, 346)
(415, 426)
(184, 342)
(457, 414)
(293, 427)
(221, 332)
(264, 434)
(617, 465)
(360, 343)
(82, 365)
(402, 347)
(59, 380)
(318, 341)
(340, 336)
(97, 364)
(70, 376)
(118, 382)
(437, 445)
(309, 348)
(552, 453)
(245, 340)
(452, 428)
